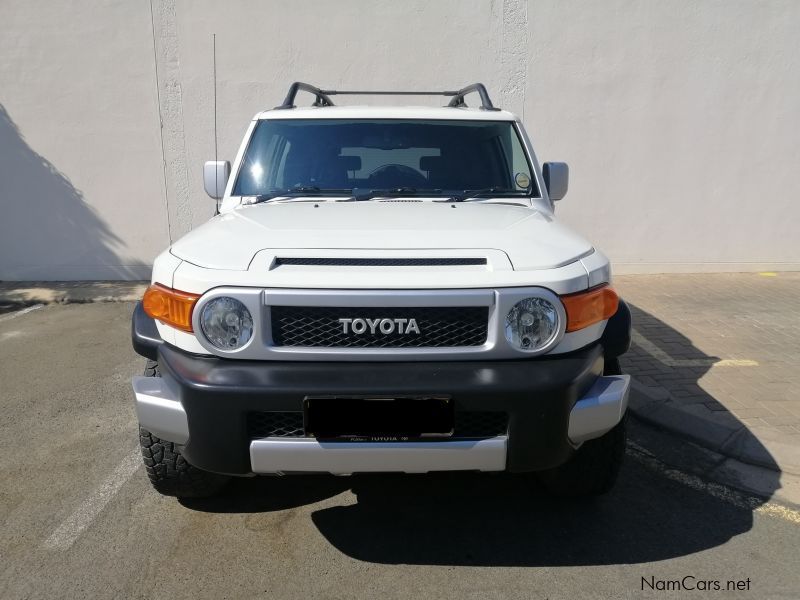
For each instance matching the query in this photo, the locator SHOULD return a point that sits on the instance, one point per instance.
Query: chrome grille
(319, 327)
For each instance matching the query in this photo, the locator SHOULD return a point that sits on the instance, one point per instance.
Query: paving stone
(732, 317)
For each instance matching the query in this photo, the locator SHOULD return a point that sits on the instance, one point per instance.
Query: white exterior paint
(528, 254)
(678, 119)
(531, 239)
(386, 112)
(564, 280)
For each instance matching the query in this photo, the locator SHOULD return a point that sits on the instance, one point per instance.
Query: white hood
(531, 239)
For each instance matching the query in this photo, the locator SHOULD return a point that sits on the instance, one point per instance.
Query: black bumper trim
(538, 394)
(144, 334)
(616, 339)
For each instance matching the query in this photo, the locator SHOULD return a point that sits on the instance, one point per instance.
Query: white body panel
(520, 240)
(530, 238)
(389, 112)
(164, 268)
(564, 280)
(163, 272)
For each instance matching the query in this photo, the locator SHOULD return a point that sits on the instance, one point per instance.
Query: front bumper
(553, 404)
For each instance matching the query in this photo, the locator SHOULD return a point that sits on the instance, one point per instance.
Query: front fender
(144, 334)
(616, 338)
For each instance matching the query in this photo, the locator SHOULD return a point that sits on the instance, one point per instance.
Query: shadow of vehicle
(47, 230)
(668, 368)
(507, 520)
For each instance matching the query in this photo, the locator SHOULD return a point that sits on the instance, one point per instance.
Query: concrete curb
(713, 467)
(654, 406)
(735, 456)
(64, 292)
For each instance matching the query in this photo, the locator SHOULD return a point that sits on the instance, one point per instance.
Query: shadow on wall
(507, 520)
(47, 230)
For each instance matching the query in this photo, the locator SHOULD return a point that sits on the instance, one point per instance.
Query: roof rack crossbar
(322, 97)
(486, 102)
(386, 93)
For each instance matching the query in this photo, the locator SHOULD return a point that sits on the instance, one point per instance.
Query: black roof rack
(322, 97)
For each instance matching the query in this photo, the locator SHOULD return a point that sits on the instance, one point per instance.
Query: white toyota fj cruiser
(383, 289)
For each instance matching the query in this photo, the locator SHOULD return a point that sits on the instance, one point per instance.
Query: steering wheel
(398, 175)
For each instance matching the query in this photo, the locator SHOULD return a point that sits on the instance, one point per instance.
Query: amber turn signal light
(590, 307)
(169, 306)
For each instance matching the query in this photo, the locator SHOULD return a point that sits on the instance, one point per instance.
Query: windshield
(415, 157)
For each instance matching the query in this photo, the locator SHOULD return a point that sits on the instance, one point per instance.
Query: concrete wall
(81, 176)
(678, 119)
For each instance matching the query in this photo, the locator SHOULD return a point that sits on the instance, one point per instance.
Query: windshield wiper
(300, 190)
(398, 192)
(359, 194)
(467, 195)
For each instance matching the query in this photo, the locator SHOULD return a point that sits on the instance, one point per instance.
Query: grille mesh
(275, 424)
(379, 262)
(469, 424)
(480, 424)
(319, 327)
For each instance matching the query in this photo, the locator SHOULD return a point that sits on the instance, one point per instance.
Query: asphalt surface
(79, 520)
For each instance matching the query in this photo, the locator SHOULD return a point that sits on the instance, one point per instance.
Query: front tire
(592, 470)
(168, 470)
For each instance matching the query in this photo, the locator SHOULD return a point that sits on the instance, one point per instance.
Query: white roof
(388, 112)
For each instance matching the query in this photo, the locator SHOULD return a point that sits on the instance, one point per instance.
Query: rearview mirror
(215, 177)
(556, 178)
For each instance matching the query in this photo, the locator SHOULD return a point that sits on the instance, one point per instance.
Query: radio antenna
(216, 157)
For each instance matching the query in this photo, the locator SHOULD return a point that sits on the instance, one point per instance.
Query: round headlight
(226, 323)
(531, 324)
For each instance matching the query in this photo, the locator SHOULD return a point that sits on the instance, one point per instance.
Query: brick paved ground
(724, 347)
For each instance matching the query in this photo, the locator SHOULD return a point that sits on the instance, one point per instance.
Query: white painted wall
(678, 119)
(81, 176)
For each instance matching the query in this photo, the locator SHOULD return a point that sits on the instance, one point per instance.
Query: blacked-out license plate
(378, 419)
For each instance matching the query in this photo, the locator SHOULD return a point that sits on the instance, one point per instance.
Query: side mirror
(556, 178)
(215, 177)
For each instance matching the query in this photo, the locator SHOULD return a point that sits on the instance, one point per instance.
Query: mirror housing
(215, 177)
(556, 178)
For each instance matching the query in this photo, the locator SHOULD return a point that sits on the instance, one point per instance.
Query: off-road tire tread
(166, 467)
(151, 369)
